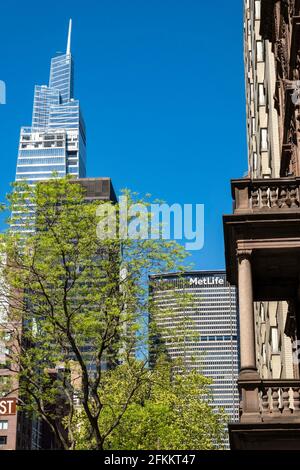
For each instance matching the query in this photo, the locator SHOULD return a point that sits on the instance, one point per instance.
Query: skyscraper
(56, 141)
(54, 146)
(210, 342)
(18, 429)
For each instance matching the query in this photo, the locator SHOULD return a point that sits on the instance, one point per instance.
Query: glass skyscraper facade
(55, 144)
(210, 320)
(53, 147)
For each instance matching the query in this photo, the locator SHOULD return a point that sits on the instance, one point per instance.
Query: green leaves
(166, 412)
(77, 307)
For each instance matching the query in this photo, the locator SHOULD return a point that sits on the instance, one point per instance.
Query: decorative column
(247, 329)
(249, 380)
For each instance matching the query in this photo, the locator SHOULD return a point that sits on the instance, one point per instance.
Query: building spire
(68, 51)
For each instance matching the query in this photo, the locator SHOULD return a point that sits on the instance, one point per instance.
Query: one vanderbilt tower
(55, 144)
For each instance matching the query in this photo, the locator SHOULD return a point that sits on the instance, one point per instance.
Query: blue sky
(161, 86)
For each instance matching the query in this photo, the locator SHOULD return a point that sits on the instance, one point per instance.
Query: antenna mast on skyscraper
(69, 37)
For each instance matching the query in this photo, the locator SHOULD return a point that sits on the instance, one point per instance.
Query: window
(3, 440)
(3, 349)
(253, 126)
(4, 380)
(257, 9)
(274, 339)
(261, 94)
(251, 91)
(3, 425)
(250, 61)
(264, 354)
(262, 313)
(254, 161)
(259, 51)
(264, 140)
(249, 27)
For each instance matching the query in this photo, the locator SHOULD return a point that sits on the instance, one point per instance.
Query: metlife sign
(207, 281)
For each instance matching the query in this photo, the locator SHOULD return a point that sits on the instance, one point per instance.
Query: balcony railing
(264, 195)
(275, 400)
(280, 399)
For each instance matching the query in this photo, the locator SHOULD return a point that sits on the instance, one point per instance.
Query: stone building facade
(262, 237)
(273, 347)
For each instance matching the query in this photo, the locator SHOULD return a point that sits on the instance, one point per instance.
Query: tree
(171, 411)
(75, 305)
(74, 302)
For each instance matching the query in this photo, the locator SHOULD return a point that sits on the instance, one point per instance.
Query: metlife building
(212, 316)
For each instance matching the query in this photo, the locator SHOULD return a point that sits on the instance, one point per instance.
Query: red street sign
(8, 406)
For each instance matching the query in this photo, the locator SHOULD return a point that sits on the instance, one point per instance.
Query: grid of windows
(33, 169)
(212, 317)
(61, 76)
(44, 98)
(55, 144)
(40, 161)
(34, 155)
(54, 108)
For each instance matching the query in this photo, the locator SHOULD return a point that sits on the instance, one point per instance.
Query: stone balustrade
(276, 400)
(280, 398)
(264, 195)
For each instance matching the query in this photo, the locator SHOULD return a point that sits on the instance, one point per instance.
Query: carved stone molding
(281, 55)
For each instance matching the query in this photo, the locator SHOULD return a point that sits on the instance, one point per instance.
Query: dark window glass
(3, 440)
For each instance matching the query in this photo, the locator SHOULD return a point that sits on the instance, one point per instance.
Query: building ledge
(266, 195)
(264, 436)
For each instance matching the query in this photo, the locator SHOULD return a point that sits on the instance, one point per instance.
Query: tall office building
(54, 146)
(17, 429)
(262, 235)
(201, 330)
(56, 140)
